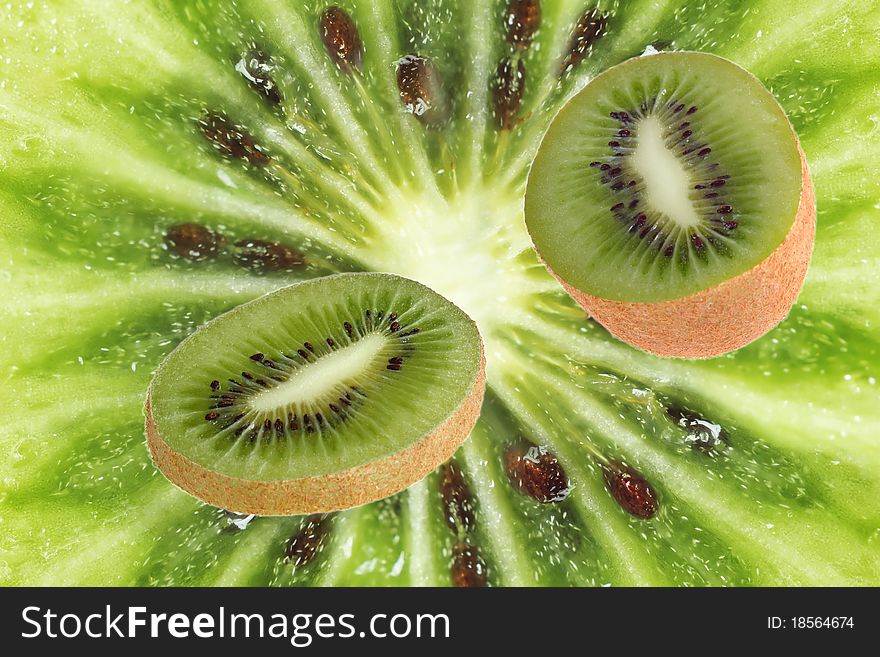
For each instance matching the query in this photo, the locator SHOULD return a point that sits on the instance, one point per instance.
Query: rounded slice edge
(328, 492)
(725, 317)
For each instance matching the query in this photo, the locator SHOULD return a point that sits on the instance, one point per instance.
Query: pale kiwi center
(667, 183)
(318, 379)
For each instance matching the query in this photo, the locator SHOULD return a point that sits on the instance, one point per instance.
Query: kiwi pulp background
(100, 153)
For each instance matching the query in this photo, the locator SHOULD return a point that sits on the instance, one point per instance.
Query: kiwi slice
(321, 396)
(162, 165)
(672, 199)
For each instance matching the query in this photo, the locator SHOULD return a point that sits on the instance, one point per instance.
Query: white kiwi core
(314, 381)
(666, 181)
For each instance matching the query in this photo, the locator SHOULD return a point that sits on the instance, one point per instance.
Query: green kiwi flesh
(316, 378)
(666, 175)
(124, 228)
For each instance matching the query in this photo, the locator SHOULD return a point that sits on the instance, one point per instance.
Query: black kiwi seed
(262, 256)
(193, 241)
(510, 85)
(631, 490)
(232, 140)
(306, 543)
(468, 568)
(215, 385)
(458, 505)
(522, 18)
(589, 29)
(341, 38)
(536, 472)
(256, 67)
(421, 89)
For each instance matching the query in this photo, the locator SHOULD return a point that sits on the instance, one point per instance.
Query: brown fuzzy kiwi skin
(722, 318)
(331, 492)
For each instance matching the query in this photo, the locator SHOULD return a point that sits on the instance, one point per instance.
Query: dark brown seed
(704, 152)
(302, 354)
(725, 209)
(308, 345)
(409, 333)
(257, 357)
(248, 376)
(421, 89)
(537, 473)
(510, 85)
(730, 225)
(692, 109)
(193, 241)
(468, 568)
(232, 140)
(718, 182)
(292, 422)
(305, 544)
(397, 360)
(279, 427)
(330, 343)
(334, 408)
(522, 18)
(267, 424)
(394, 367)
(395, 327)
(589, 29)
(213, 415)
(341, 38)
(631, 490)
(256, 67)
(262, 256)
(348, 328)
(697, 241)
(215, 385)
(458, 506)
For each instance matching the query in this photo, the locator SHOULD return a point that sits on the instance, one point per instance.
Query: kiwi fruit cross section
(321, 396)
(672, 200)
